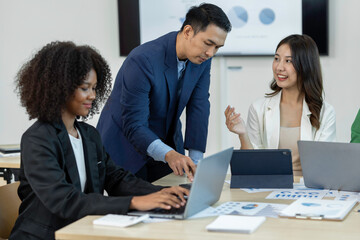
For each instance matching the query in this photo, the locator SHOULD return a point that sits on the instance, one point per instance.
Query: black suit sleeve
(119, 182)
(43, 165)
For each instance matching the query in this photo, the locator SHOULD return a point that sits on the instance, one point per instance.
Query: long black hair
(306, 62)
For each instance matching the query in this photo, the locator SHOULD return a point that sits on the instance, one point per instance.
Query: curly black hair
(50, 78)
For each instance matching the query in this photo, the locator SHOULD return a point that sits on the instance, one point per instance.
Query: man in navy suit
(140, 123)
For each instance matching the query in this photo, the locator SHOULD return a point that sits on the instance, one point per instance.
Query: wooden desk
(10, 162)
(7, 166)
(271, 229)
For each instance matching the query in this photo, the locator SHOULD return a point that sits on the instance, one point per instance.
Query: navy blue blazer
(144, 106)
(50, 188)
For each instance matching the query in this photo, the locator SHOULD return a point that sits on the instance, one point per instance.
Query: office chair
(9, 208)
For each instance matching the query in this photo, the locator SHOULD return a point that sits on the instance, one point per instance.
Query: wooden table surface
(271, 229)
(10, 162)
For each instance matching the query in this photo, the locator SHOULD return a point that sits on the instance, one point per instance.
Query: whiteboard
(257, 25)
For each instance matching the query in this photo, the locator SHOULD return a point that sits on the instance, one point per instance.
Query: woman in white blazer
(295, 110)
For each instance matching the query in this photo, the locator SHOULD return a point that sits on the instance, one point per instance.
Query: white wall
(25, 26)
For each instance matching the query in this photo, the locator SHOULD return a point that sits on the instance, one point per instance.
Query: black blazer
(50, 186)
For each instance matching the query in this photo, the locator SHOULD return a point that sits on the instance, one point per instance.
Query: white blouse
(263, 123)
(78, 149)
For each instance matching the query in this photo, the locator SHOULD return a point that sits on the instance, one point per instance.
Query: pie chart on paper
(250, 206)
(238, 16)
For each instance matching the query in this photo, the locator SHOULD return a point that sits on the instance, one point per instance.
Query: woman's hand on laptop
(166, 198)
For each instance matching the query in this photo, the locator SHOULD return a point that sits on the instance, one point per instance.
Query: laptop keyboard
(179, 210)
(186, 185)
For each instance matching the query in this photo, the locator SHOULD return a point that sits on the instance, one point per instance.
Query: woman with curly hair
(295, 110)
(64, 167)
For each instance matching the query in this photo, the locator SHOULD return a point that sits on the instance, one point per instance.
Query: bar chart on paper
(296, 194)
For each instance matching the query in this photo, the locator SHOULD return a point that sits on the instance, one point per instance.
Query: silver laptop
(205, 190)
(330, 165)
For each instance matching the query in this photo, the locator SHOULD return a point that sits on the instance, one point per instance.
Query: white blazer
(263, 123)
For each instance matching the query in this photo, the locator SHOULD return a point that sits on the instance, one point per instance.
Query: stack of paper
(237, 224)
(119, 220)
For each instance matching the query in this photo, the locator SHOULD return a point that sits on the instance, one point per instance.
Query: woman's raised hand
(234, 122)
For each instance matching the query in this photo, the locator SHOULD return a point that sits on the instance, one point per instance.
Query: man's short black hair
(199, 17)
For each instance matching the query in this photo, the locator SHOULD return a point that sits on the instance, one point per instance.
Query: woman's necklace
(73, 132)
